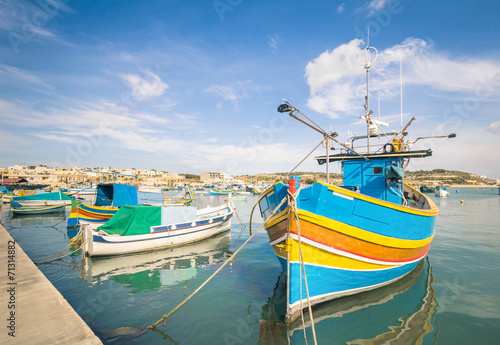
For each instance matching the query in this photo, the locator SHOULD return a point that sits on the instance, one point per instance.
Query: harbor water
(452, 297)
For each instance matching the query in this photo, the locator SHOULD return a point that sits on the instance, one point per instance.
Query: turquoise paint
(324, 280)
(369, 178)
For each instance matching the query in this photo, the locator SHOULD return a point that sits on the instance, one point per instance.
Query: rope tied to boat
(293, 206)
(164, 317)
(58, 255)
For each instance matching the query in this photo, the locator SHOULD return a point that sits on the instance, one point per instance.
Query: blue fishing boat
(38, 210)
(43, 199)
(109, 198)
(334, 241)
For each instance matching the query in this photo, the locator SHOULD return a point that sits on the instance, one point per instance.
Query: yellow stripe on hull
(362, 234)
(351, 231)
(316, 256)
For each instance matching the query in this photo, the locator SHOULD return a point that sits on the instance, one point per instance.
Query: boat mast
(327, 144)
(366, 65)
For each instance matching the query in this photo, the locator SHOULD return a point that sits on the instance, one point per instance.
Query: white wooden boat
(137, 228)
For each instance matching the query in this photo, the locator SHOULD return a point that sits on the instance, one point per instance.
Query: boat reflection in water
(399, 313)
(157, 269)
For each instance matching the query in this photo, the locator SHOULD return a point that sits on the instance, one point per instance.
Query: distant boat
(441, 192)
(237, 197)
(214, 191)
(256, 191)
(109, 197)
(243, 192)
(137, 228)
(44, 199)
(12, 184)
(91, 190)
(38, 210)
(150, 189)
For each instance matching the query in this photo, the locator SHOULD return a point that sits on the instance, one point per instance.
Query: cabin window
(378, 170)
(264, 206)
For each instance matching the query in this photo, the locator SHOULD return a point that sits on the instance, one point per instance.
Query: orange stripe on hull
(349, 244)
(84, 213)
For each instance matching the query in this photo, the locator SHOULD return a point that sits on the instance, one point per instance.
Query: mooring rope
(164, 317)
(293, 206)
(243, 227)
(58, 255)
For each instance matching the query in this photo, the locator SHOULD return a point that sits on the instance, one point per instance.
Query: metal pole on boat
(327, 160)
(286, 107)
(367, 105)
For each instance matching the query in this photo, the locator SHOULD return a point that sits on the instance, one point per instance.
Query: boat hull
(41, 203)
(220, 192)
(39, 210)
(116, 245)
(94, 216)
(350, 242)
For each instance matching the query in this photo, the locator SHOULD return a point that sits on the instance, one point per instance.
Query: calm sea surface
(452, 297)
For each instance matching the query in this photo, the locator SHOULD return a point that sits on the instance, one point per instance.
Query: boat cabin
(379, 175)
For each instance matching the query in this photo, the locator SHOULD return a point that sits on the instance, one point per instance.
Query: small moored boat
(136, 228)
(214, 191)
(43, 199)
(38, 210)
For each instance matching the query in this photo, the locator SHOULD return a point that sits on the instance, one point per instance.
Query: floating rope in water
(164, 317)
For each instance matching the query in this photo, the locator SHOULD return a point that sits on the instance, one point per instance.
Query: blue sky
(193, 86)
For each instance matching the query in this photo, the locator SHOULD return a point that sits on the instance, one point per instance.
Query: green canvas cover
(394, 173)
(44, 196)
(133, 220)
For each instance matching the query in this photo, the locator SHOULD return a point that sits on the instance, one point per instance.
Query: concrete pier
(32, 311)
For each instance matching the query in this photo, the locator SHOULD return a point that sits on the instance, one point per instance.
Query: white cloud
(495, 127)
(25, 21)
(329, 77)
(341, 8)
(273, 44)
(146, 87)
(16, 75)
(56, 137)
(332, 90)
(373, 6)
(233, 92)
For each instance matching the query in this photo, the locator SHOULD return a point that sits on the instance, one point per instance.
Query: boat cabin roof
(384, 155)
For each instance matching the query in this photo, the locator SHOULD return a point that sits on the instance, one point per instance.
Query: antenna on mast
(367, 65)
(401, 85)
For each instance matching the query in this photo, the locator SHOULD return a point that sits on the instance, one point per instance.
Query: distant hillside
(414, 178)
(442, 177)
